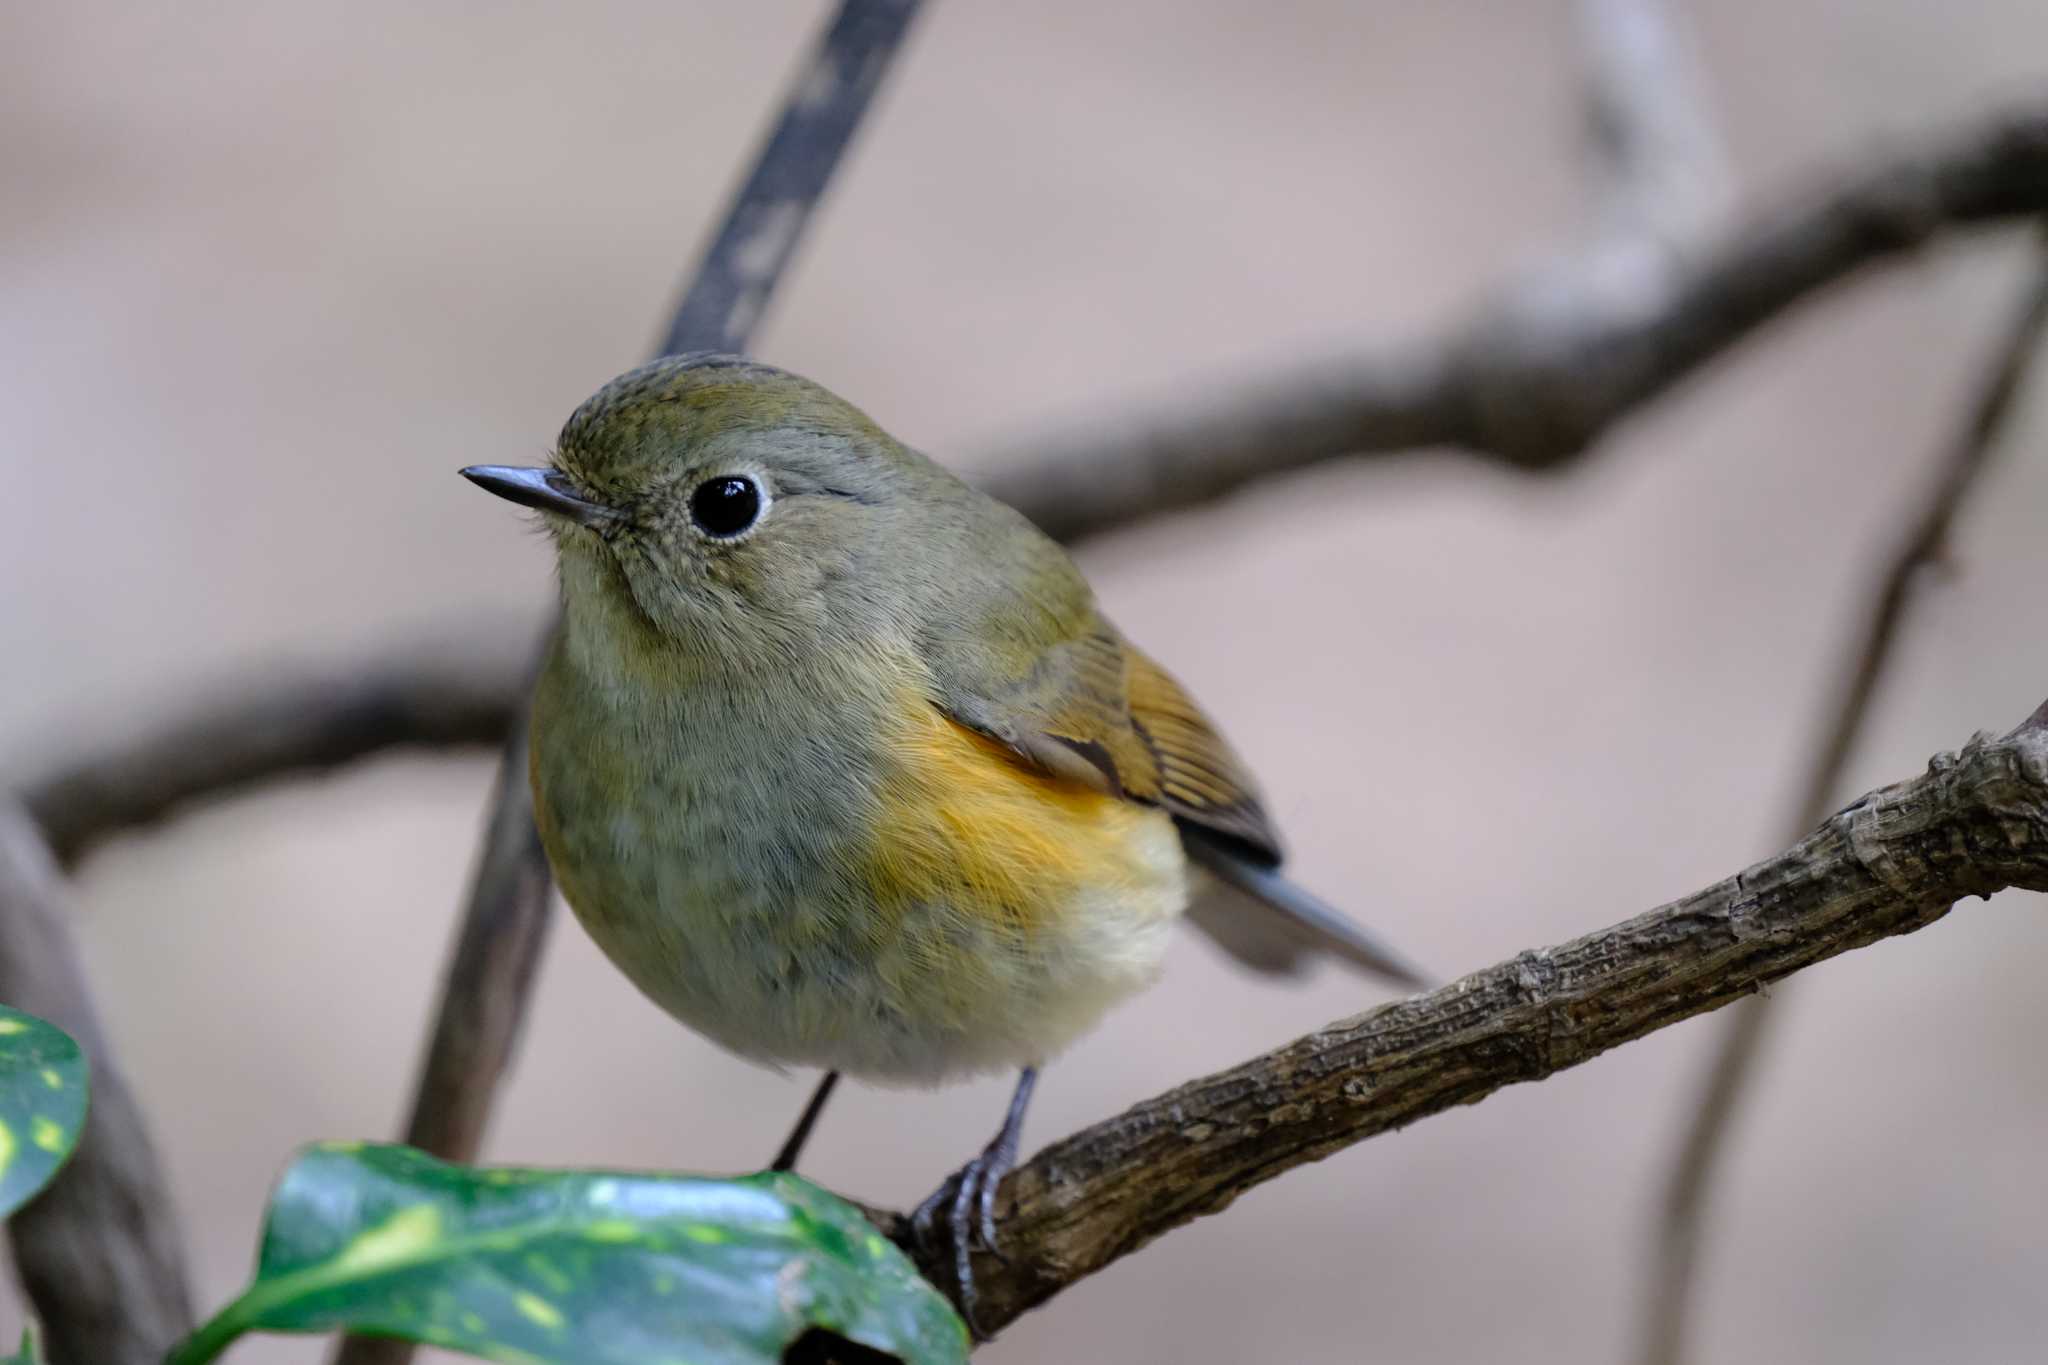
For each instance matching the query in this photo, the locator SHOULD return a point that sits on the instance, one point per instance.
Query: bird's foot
(966, 1203)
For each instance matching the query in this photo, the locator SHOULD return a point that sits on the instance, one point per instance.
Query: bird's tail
(1268, 922)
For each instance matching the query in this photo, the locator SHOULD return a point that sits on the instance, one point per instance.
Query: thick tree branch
(1522, 385)
(1922, 544)
(1894, 862)
(98, 1252)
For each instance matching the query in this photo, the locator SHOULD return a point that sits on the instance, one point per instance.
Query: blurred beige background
(270, 273)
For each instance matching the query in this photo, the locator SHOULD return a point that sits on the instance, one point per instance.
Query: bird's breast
(829, 870)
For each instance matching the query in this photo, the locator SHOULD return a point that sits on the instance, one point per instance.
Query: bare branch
(730, 288)
(1975, 823)
(1528, 387)
(290, 725)
(490, 974)
(484, 993)
(98, 1252)
(1920, 548)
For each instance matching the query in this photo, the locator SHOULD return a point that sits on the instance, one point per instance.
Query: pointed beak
(542, 488)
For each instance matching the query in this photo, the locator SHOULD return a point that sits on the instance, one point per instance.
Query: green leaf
(28, 1354)
(589, 1267)
(42, 1104)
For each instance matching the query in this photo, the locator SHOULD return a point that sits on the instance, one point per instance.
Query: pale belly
(906, 912)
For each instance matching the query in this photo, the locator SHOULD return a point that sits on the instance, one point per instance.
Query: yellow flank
(965, 823)
(46, 1133)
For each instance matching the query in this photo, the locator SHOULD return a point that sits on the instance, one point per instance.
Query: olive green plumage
(837, 758)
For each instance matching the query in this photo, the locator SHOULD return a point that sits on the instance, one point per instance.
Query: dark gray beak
(542, 488)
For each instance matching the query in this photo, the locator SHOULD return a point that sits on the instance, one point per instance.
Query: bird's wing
(1096, 710)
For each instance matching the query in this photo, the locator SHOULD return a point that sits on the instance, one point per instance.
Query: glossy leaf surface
(595, 1268)
(42, 1104)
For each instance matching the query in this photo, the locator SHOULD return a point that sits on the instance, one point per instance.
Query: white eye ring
(725, 508)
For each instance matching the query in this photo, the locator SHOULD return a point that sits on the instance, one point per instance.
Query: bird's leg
(968, 1198)
(793, 1146)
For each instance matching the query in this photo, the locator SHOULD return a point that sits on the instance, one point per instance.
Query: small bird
(836, 758)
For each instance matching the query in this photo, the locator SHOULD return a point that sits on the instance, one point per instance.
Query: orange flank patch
(964, 823)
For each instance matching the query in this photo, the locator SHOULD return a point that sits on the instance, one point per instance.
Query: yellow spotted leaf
(576, 1267)
(42, 1104)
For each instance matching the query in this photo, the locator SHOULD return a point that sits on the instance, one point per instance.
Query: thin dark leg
(785, 1160)
(968, 1198)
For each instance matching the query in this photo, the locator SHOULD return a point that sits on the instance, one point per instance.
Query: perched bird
(837, 759)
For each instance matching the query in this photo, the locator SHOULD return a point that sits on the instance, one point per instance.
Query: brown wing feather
(1201, 779)
(1096, 710)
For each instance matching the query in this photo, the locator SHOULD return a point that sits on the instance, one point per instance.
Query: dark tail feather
(1271, 922)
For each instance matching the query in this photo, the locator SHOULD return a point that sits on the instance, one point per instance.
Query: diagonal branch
(497, 948)
(1528, 387)
(1684, 1205)
(490, 973)
(98, 1252)
(1896, 861)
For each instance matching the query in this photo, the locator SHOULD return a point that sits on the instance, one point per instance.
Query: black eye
(725, 506)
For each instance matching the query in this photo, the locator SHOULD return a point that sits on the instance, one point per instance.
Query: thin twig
(1684, 1205)
(508, 903)
(490, 974)
(1532, 389)
(1894, 862)
(730, 288)
(98, 1252)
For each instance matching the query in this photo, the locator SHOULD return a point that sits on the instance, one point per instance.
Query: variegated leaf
(42, 1104)
(594, 1268)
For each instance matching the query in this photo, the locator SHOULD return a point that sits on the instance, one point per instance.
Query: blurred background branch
(1529, 385)
(1922, 547)
(291, 725)
(489, 979)
(100, 1252)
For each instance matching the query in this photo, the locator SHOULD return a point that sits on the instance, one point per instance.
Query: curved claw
(968, 1199)
(986, 1230)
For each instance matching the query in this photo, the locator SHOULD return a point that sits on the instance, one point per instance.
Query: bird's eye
(726, 506)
